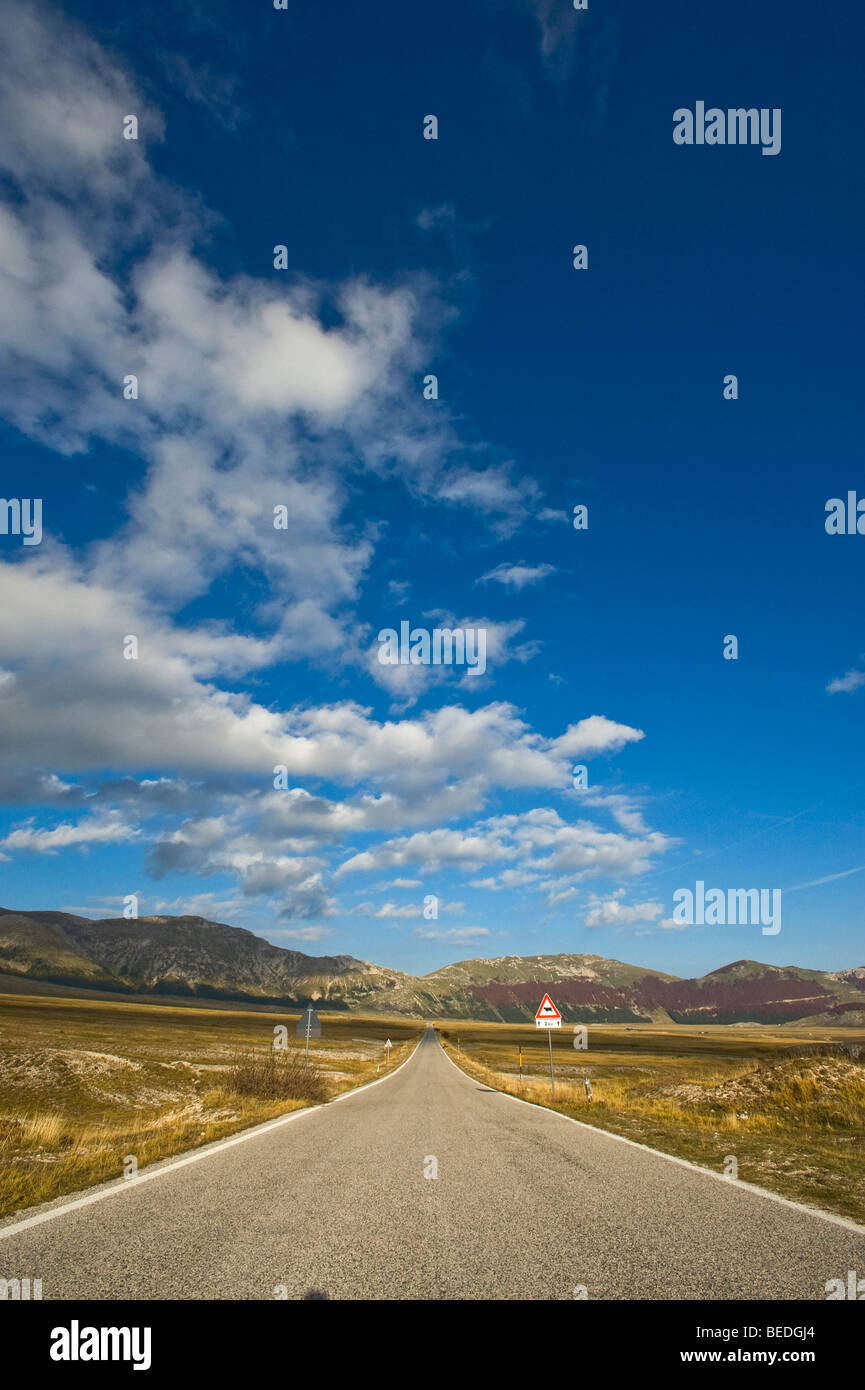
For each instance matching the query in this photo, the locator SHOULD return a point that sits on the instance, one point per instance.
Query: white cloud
(624, 809)
(557, 896)
(456, 935)
(302, 933)
(431, 849)
(594, 735)
(518, 576)
(408, 682)
(614, 913)
(638, 917)
(96, 830)
(253, 394)
(490, 490)
(829, 878)
(507, 879)
(214, 906)
(852, 681)
(537, 841)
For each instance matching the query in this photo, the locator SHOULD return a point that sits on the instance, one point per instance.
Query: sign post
(388, 1046)
(549, 1017)
(309, 1026)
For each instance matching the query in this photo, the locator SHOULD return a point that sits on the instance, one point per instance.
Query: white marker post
(309, 1026)
(388, 1045)
(549, 1017)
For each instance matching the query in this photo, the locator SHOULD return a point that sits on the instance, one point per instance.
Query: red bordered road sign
(548, 1015)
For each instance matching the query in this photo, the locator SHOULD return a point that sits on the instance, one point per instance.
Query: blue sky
(303, 388)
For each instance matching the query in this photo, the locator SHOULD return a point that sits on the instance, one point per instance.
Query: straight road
(526, 1205)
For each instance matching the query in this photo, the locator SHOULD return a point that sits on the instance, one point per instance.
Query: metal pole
(552, 1077)
(521, 1063)
(308, 1027)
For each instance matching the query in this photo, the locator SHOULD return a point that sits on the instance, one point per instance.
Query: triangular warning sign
(547, 1009)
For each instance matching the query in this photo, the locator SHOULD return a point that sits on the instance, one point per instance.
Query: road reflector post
(588, 1085)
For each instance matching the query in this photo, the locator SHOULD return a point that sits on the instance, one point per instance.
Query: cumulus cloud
(594, 735)
(612, 912)
(240, 380)
(537, 841)
(404, 913)
(309, 900)
(431, 849)
(259, 401)
(254, 396)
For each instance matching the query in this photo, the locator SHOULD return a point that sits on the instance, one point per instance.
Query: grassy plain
(85, 1084)
(787, 1104)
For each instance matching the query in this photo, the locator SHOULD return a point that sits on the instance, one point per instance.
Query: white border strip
(127, 1184)
(671, 1158)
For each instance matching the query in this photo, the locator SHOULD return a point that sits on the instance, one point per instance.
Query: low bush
(274, 1075)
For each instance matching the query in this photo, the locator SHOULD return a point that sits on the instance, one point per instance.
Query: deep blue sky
(603, 387)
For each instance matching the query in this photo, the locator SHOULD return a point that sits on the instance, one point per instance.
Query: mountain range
(191, 957)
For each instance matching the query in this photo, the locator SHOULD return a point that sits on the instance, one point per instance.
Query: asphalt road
(526, 1205)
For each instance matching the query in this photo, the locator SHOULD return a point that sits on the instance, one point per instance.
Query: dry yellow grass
(86, 1086)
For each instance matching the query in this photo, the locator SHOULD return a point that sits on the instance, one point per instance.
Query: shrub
(273, 1075)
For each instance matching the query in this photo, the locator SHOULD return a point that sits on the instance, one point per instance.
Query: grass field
(85, 1085)
(788, 1106)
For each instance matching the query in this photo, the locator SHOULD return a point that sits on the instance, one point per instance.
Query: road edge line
(829, 1216)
